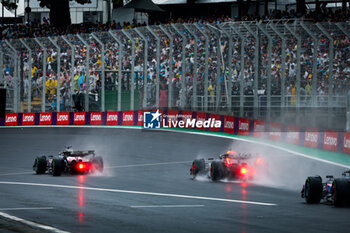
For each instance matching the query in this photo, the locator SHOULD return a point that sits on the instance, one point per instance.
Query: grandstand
(285, 69)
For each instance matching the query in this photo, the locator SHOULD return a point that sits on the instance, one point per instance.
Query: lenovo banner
(79, 118)
(28, 119)
(140, 117)
(259, 129)
(346, 145)
(243, 126)
(217, 118)
(45, 118)
(11, 119)
(96, 118)
(112, 118)
(229, 124)
(293, 135)
(275, 131)
(62, 118)
(187, 116)
(128, 118)
(330, 140)
(311, 138)
(201, 117)
(172, 117)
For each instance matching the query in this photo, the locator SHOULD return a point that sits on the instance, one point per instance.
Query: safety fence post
(87, 71)
(132, 92)
(29, 96)
(103, 75)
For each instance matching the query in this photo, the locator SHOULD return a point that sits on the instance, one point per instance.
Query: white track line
(142, 193)
(149, 164)
(13, 174)
(28, 208)
(165, 206)
(32, 224)
(263, 144)
(187, 132)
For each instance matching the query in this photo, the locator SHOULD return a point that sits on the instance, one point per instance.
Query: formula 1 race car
(334, 191)
(230, 165)
(69, 162)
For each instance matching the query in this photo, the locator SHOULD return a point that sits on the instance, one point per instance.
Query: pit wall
(309, 137)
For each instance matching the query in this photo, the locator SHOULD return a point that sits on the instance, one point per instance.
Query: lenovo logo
(243, 126)
(62, 118)
(229, 124)
(112, 117)
(128, 117)
(311, 137)
(11, 119)
(346, 143)
(29, 118)
(330, 141)
(79, 117)
(96, 117)
(45, 118)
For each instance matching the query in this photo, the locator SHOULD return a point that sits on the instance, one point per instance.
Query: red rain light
(81, 166)
(243, 170)
(228, 161)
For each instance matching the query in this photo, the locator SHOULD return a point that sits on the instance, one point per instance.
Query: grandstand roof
(184, 1)
(143, 6)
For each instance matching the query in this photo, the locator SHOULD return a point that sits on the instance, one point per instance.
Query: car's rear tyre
(217, 171)
(198, 167)
(313, 190)
(39, 165)
(341, 192)
(98, 163)
(57, 167)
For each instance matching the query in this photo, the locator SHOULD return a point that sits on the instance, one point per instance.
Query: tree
(59, 11)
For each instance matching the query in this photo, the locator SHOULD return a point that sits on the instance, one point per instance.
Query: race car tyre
(341, 192)
(98, 163)
(198, 166)
(313, 190)
(72, 167)
(57, 167)
(40, 164)
(217, 171)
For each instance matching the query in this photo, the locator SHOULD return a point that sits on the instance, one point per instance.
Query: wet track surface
(146, 186)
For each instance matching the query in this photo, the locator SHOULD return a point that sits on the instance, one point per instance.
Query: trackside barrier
(309, 137)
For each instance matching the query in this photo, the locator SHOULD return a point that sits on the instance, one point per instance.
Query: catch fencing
(283, 71)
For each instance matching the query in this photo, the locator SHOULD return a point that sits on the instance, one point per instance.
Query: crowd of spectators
(217, 75)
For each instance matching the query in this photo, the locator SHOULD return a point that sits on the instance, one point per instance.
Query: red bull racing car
(334, 191)
(230, 165)
(69, 162)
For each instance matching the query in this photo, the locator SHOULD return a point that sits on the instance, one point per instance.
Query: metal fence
(294, 71)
